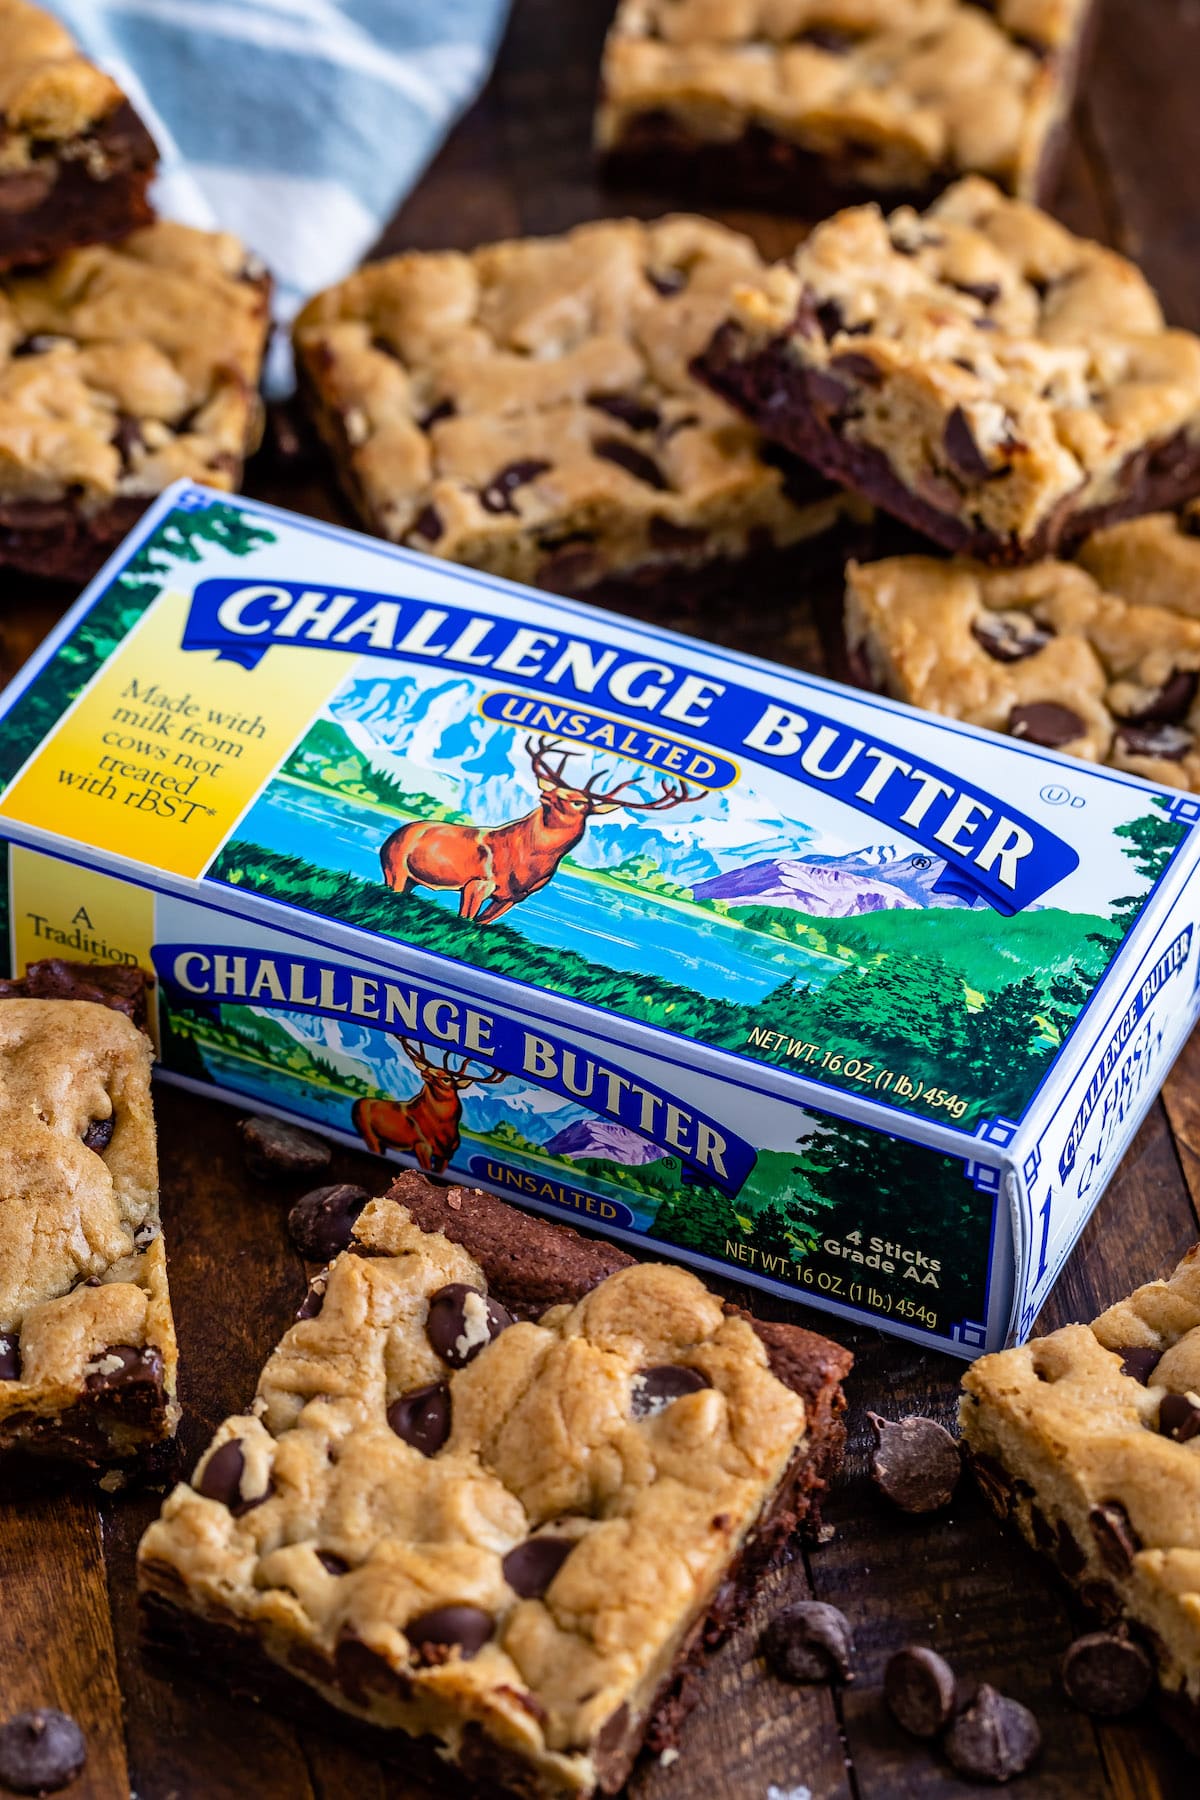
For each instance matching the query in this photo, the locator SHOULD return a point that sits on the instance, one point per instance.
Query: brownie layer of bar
(117, 985)
(1044, 654)
(93, 196)
(528, 409)
(520, 1258)
(814, 105)
(1088, 1440)
(145, 355)
(87, 1345)
(992, 381)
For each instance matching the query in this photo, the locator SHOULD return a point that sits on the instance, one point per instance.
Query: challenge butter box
(856, 1003)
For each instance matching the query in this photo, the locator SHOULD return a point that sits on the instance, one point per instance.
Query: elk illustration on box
(495, 867)
(427, 1126)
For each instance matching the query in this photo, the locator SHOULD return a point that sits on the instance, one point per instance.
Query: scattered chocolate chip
(667, 282)
(531, 1567)
(222, 1479)
(132, 1367)
(436, 1635)
(1116, 1540)
(10, 1356)
(994, 1738)
(916, 1463)
(1010, 637)
(635, 462)
(986, 292)
(809, 1642)
(422, 1417)
(428, 524)
(41, 1751)
(322, 1221)
(496, 497)
(1139, 1361)
(1170, 743)
(629, 409)
(920, 1689)
(274, 1151)
(332, 1563)
(98, 1135)
(1179, 1417)
(1172, 703)
(962, 451)
(462, 1321)
(664, 534)
(1047, 723)
(655, 1388)
(1106, 1675)
(861, 368)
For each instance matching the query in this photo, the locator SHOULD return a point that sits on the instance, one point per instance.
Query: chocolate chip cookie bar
(75, 159)
(87, 1343)
(528, 409)
(1152, 561)
(809, 105)
(122, 368)
(1002, 386)
(1044, 654)
(510, 1537)
(1089, 1441)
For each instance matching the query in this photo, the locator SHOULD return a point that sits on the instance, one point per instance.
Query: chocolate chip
(128, 437)
(436, 1635)
(1010, 637)
(462, 1321)
(496, 497)
(1179, 1417)
(809, 1642)
(667, 282)
(629, 409)
(445, 409)
(1170, 743)
(1172, 703)
(422, 1417)
(1116, 1540)
(830, 318)
(986, 292)
(41, 1751)
(428, 524)
(657, 1387)
(312, 1303)
(145, 1235)
(862, 368)
(362, 1672)
(1047, 723)
(994, 1739)
(993, 1481)
(916, 1463)
(98, 1135)
(531, 1567)
(825, 392)
(274, 1151)
(322, 1221)
(222, 1479)
(920, 1688)
(635, 462)
(1139, 1361)
(332, 1563)
(664, 534)
(136, 1367)
(962, 451)
(37, 344)
(829, 39)
(1106, 1675)
(10, 1356)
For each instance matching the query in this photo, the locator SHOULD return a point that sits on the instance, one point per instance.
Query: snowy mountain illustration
(874, 879)
(603, 1138)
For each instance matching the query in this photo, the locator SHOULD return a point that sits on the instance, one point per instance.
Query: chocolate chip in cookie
(1046, 723)
(422, 1417)
(657, 1387)
(436, 1635)
(531, 1567)
(463, 1321)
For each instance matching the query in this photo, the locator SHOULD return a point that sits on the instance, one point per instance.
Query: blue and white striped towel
(297, 124)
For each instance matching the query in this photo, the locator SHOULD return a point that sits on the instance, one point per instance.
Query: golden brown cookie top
(48, 89)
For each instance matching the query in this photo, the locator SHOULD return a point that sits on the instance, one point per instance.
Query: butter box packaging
(793, 982)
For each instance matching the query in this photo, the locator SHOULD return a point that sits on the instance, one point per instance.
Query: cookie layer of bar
(1089, 1440)
(87, 1343)
(507, 1535)
(999, 384)
(814, 104)
(123, 367)
(1042, 653)
(75, 159)
(528, 409)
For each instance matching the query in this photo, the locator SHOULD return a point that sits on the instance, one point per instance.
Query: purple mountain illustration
(834, 887)
(603, 1138)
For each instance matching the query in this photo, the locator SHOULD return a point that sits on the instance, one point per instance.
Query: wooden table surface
(520, 164)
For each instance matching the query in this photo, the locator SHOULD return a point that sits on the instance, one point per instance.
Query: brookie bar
(528, 409)
(123, 367)
(87, 1342)
(75, 158)
(808, 105)
(1000, 385)
(514, 1537)
(1089, 1441)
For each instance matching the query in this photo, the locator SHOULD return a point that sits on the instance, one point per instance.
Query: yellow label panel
(167, 748)
(60, 909)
